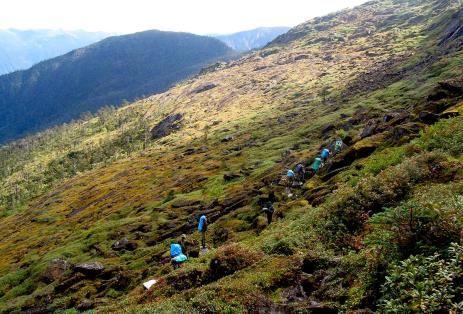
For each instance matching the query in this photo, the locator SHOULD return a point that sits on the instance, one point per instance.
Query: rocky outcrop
(301, 57)
(428, 117)
(84, 305)
(192, 151)
(445, 89)
(454, 29)
(230, 176)
(449, 114)
(369, 129)
(204, 88)
(328, 128)
(124, 244)
(62, 287)
(167, 126)
(227, 138)
(89, 269)
(187, 203)
(55, 270)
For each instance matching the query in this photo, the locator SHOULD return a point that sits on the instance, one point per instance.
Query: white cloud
(126, 16)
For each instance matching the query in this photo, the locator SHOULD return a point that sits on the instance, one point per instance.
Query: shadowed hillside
(377, 229)
(106, 73)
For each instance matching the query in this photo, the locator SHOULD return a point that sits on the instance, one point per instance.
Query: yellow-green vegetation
(386, 77)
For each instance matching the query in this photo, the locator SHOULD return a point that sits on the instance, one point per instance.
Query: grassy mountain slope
(106, 73)
(380, 76)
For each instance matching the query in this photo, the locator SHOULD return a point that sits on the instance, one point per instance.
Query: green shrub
(26, 287)
(170, 196)
(351, 207)
(282, 246)
(229, 259)
(431, 220)
(113, 293)
(379, 162)
(206, 301)
(186, 277)
(445, 135)
(425, 284)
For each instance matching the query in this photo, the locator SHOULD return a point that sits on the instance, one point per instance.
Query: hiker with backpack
(290, 176)
(300, 172)
(338, 145)
(176, 255)
(268, 210)
(315, 167)
(202, 228)
(325, 154)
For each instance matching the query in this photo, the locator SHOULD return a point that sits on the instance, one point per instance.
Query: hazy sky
(195, 16)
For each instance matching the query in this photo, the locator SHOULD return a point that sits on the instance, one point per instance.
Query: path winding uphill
(385, 77)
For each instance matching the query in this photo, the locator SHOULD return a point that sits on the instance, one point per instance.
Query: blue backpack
(202, 224)
(175, 250)
(180, 258)
(325, 153)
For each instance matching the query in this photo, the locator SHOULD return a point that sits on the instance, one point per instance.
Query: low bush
(423, 284)
(186, 278)
(350, 208)
(431, 220)
(282, 246)
(229, 259)
(380, 161)
(446, 135)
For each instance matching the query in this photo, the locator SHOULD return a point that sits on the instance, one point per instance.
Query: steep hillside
(378, 229)
(252, 39)
(21, 49)
(106, 73)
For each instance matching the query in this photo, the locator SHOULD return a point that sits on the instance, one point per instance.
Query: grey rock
(55, 270)
(227, 138)
(428, 117)
(167, 126)
(204, 88)
(89, 269)
(84, 305)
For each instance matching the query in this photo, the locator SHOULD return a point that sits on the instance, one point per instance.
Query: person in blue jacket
(176, 255)
(325, 154)
(202, 227)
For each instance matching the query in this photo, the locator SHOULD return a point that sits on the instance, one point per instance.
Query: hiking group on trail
(296, 177)
(299, 175)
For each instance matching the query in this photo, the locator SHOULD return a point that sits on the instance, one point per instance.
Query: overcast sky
(195, 16)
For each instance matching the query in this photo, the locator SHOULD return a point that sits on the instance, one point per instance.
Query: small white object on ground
(149, 283)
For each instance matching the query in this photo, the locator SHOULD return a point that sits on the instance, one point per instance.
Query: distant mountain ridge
(21, 49)
(252, 39)
(106, 73)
